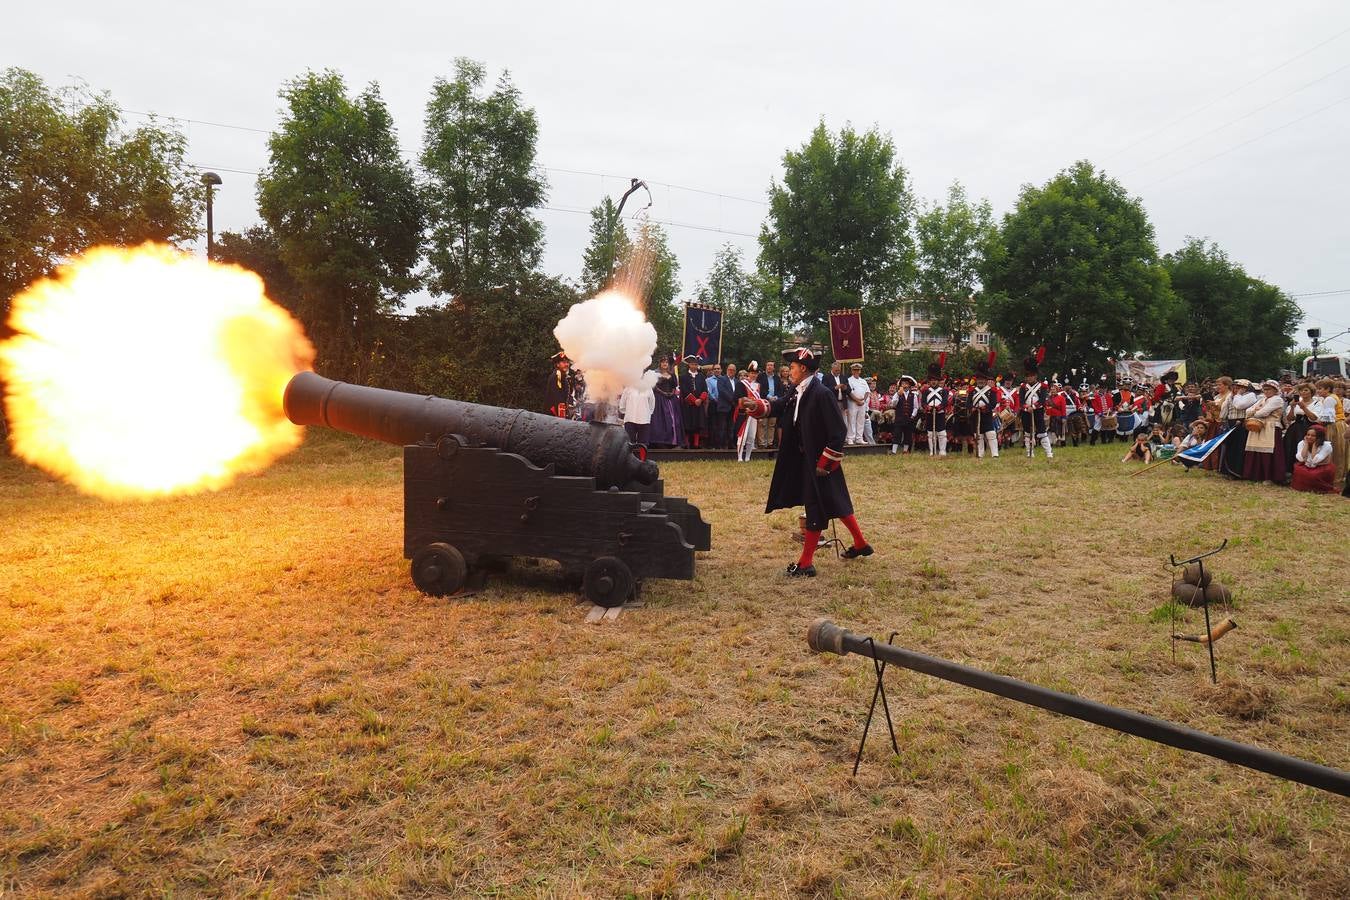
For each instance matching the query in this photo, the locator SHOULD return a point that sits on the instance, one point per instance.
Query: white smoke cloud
(609, 339)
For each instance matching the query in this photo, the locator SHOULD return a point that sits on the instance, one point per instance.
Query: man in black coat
(694, 403)
(807, 469)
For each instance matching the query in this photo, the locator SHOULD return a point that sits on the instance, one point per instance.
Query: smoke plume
(609, 339)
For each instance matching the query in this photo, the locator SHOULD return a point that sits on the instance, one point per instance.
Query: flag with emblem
(846, 337)
(703, 333)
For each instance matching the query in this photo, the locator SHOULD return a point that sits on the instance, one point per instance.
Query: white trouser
(938, 447)
(867, 429)
(1044, 440)
(990, 438)
(857, 412)
(746, 446)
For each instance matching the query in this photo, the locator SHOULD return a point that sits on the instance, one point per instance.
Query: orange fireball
(144, 372)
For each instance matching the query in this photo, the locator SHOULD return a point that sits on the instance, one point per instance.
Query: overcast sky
(1177, 100)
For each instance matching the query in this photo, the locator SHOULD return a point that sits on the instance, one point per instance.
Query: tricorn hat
(691, 358)
(802, 355)
(909, 378)
(1171, 375)
(752, 366)
(560, 356)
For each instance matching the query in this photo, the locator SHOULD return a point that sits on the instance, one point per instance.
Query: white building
(914, 327)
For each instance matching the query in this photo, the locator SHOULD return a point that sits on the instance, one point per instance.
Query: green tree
(1076, 269)
(258, 250)
(1228, 322)
(838, 233)
(345, 211)
(458, 350)
(73, 175)
(609, 242)
(952, 243)
(479, 159)
(750, 309)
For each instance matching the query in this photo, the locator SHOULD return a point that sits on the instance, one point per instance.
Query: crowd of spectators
(1291, 431)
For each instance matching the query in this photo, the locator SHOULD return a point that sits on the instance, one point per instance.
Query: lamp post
(210, 179)
(1315, 334)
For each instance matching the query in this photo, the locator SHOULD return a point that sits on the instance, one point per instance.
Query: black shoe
(855, 552)
(796, 571)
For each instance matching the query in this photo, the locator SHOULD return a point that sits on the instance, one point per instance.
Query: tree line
(349, 229)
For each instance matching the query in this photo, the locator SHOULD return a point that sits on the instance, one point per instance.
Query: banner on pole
(1200, 452)
(702, 333)
(1150, 370)
(846, 337)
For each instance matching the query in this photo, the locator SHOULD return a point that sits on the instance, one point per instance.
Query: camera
(1314, 333)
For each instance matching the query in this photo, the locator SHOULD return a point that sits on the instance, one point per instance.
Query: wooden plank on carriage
(595, 615)
(613, 613)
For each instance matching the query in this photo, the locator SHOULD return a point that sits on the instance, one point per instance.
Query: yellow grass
(242, 693)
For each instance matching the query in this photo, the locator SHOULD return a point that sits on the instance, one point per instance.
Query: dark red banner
(846, 337)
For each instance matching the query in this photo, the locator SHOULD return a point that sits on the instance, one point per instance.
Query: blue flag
(1197, 454)
(703, 333)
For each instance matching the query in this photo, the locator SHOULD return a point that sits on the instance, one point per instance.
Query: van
(1327, 364)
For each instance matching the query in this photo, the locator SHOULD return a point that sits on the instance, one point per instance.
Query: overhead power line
(1246, 115)
(558, 169)
(1246, 84)
(1264, 134)
(694, 226)
(1322, 293)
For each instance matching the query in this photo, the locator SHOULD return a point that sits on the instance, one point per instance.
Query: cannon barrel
(572, 448)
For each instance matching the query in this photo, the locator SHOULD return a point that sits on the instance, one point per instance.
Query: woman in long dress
(1263, 459)
(1234, 415)
(667, 426)
(1313, 470)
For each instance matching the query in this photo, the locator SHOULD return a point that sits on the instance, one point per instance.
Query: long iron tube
(572, 448)
(826, 637)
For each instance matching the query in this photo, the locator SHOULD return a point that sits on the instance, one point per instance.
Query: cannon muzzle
(572, 448)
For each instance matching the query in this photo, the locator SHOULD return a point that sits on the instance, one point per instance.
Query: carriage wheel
(608, 581)
(439, 570)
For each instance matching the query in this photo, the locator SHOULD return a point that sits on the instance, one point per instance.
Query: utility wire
(1246, 84)
(1320, 109)
(1322, 293)
(558, 169)
(1247, 115)
(566, 209)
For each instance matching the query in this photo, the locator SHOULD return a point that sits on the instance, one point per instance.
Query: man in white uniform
(857, 403)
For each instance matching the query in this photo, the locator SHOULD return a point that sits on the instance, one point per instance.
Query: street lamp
(1314, 333)
(210, 179)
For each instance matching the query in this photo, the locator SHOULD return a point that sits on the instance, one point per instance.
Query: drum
(1109, 422)
(1008, 418)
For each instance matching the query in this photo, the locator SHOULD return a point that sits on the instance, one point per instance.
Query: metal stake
(879, 667)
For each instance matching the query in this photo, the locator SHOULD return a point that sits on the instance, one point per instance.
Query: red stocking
(809, 541)
(851, 523)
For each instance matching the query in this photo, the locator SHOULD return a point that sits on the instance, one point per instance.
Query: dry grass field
(243, 694)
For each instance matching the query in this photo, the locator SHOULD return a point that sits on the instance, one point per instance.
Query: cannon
(482, 484)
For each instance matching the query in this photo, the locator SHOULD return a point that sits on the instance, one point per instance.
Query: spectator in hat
(1263, 458)
(1234, 413)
